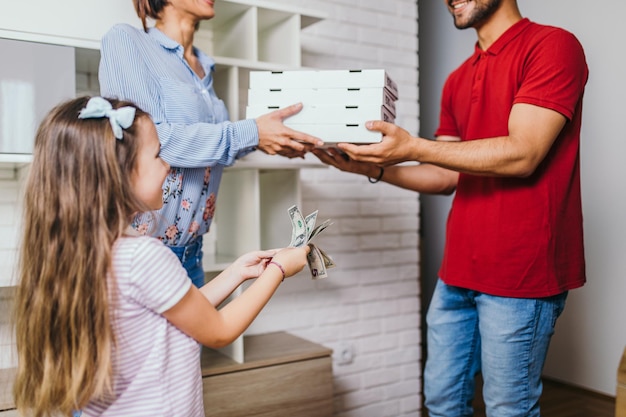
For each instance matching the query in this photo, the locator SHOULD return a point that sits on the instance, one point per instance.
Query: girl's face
(151, 170)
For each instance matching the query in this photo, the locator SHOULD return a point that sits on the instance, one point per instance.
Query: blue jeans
(191, 258)
(505, 338)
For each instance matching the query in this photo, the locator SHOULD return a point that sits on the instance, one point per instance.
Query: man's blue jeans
(505, 338)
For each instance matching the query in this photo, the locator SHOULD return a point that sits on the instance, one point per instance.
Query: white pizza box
(329, 114)
(362, 78)
(335, 133)
(321, 96)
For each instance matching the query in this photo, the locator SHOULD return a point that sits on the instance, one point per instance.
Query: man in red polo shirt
(508, 143)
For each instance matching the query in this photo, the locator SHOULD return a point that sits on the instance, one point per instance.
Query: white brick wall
(368, 308)
(369, 305)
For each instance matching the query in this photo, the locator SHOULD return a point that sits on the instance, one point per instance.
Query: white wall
(591, 334)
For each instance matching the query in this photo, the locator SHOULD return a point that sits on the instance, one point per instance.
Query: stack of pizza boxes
(336, 103)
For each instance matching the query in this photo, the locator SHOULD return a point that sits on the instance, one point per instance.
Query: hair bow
(121, 118)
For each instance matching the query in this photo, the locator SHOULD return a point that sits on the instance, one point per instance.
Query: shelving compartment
(232, 33)
(279, 37)
(254, 34)
(279, 189)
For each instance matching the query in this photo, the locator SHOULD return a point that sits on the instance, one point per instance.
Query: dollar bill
(309, 221)
(319, 229)
(316, 263)
(328, 261)
(302, 232)
(299, 236)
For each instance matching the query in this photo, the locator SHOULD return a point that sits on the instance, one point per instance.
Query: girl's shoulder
(140, 244)
(148, 272)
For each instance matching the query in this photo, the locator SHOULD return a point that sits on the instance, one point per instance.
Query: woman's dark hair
(148, 8)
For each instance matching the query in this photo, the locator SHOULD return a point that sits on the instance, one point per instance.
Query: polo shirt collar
(504, 39)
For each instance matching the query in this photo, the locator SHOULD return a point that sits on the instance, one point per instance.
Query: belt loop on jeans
(191, 249)
(184, 252)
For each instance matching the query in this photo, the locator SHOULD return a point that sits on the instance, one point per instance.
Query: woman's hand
(276, 138)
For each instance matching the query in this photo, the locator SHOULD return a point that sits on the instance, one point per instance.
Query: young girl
(107, 321)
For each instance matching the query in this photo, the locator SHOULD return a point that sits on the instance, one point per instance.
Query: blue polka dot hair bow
(121, 118)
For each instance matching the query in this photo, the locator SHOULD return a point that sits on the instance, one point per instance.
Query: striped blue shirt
(197, 139)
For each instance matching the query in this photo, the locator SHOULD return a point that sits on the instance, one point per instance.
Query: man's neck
(497, 24)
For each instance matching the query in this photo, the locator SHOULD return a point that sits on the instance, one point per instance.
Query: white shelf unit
(244, 35)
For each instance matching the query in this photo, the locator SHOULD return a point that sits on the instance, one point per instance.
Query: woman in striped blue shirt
(159, 69)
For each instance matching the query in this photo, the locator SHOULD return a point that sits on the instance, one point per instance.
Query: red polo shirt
(517, 237)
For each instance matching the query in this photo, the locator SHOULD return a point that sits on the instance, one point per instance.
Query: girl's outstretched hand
(292, 259)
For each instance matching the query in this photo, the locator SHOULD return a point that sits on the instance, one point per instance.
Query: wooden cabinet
(620, 399)
(6, 390)
(282, 375)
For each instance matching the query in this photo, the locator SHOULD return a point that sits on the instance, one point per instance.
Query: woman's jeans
(191, 258)
(505, 338)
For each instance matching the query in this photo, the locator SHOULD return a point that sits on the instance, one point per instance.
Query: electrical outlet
(344, 354)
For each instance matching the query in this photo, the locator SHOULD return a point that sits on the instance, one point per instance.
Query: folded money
(302, 232)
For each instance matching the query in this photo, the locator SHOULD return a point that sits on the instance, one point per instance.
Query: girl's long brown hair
(78, 201)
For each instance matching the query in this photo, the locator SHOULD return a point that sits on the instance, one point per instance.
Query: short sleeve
(555, 73)
(155, 277)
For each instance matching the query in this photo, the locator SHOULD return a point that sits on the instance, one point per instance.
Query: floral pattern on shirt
(173, 185)
(207, 177)
(172, 233)
(209, 208)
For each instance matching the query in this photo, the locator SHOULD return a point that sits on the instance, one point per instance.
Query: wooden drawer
(282, 375)
(302, 389)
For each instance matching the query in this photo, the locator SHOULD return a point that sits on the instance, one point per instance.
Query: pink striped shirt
(156, 366)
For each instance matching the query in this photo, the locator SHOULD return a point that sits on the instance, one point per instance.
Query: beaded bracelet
(279, 267)
(380, 175)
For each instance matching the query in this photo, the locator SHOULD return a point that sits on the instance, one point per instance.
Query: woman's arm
(132, 68)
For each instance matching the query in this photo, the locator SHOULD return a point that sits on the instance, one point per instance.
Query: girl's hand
(251, 264)
(292, 259)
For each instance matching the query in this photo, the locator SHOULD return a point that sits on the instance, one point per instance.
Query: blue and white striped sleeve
(125, 75)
